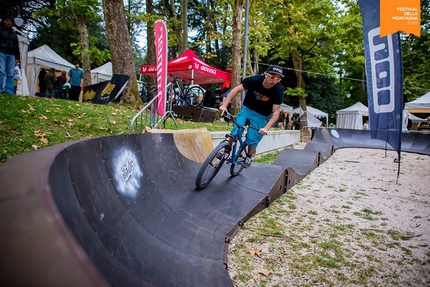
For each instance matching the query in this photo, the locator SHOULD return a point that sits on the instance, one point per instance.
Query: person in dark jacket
(9, 52)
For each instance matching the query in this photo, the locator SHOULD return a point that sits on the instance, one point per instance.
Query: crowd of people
(288, 121)
(50, 85)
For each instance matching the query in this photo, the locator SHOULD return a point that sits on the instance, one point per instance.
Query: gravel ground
(350, 222)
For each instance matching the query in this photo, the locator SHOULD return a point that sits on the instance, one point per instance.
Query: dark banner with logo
(105, 92)
(383, 77)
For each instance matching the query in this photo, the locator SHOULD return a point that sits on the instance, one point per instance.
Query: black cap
(10, 17)
(274, 69)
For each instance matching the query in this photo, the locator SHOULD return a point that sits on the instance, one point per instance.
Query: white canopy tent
(22, 88)
(352, 117)
(420, 105)
(314, 112)
(43, 57)
(102, 73)
(286, 108)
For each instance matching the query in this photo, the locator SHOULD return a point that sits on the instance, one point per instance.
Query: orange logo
(400, 15)
(264, 98)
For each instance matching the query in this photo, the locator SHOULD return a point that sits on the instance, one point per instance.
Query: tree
(416, 58)
(236, 51)
(305, 31)
(120, 48)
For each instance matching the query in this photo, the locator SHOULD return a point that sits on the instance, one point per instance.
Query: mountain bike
(187, 95)
(225, 152)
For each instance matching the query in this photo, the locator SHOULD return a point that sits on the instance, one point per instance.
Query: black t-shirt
(260, 99)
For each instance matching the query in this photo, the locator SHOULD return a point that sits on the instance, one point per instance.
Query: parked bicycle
(148, 92)
(233, 154)
(186, 95)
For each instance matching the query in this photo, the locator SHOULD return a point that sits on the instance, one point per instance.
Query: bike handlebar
(177, 79)
(228, 116)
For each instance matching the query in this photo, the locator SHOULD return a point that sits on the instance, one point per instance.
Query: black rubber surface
(123, 211)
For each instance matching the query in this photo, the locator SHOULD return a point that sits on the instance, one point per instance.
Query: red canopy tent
(188, 66)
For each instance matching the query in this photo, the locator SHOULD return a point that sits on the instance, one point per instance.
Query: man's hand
(263, 131)
(222, 109)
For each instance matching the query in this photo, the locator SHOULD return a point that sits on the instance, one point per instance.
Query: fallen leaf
(31, 107)
(35, 146)
(43, 118)
(113, 122)
(44, 140)
(256, 278)
(265, 272)
(70, 120)
(253, 252)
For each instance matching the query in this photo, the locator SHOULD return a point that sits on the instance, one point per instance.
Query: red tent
(189, 67)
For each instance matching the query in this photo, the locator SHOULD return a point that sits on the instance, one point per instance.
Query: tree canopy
(319, 43)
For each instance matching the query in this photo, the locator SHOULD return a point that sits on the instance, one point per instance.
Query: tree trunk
(86, 62)
(183, 40)
(236, 52)
(150, 39)
(120, 48)
(298, 67)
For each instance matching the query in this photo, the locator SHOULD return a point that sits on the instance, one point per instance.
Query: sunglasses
(273, 78)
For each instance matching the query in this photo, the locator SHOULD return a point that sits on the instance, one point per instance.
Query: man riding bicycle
(261, 106)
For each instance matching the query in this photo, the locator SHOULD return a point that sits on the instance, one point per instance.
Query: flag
(161, 63)
(104, 92)
(383, 77)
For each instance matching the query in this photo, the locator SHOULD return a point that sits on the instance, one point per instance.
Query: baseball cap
(274, 69)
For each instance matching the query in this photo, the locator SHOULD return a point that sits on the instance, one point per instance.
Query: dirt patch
(348, 223)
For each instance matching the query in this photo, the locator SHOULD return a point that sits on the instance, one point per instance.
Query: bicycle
(234, 153)
(185, 94)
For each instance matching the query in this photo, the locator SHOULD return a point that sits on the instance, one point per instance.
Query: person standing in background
(76, 80)
(9, 52)
(42, 86)
(50, 84)
(61, 80)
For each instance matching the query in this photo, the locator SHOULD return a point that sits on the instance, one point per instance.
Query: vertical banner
(383, 77)
(161, 63)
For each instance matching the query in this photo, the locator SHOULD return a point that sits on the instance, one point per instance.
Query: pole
(245, 46)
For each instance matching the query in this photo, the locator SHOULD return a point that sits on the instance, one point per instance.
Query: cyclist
(261, 106)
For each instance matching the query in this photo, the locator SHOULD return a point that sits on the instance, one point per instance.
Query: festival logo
(400, 15)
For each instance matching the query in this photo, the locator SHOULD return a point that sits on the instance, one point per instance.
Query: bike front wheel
(237, 159)
(212, 165)
(196, 95)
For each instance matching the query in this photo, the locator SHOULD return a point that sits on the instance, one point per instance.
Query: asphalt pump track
(123, 210)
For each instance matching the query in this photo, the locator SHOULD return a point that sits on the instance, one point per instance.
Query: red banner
(161, 63)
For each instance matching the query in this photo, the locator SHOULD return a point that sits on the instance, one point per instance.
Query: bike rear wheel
(196, 95)
(236, 165)
(212, 165)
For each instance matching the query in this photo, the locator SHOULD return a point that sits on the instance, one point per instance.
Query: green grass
(29, 123)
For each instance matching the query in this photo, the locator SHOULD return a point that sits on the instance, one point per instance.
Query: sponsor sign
(383, 77)
(161, 65)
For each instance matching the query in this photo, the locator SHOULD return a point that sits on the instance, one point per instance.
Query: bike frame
(182, 98)
(235, 151)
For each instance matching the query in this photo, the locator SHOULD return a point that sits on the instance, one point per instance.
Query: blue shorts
(256, 120)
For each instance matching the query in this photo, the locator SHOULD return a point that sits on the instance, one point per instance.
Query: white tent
(43, 57)
(313, 122)
(22, 88)
(352, 117)
(286, 108)
(102, 73)
(314, 112)
(420, 105)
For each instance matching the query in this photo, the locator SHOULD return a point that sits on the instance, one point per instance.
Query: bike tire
(196, 95)
(212, 165)
(237, 167)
